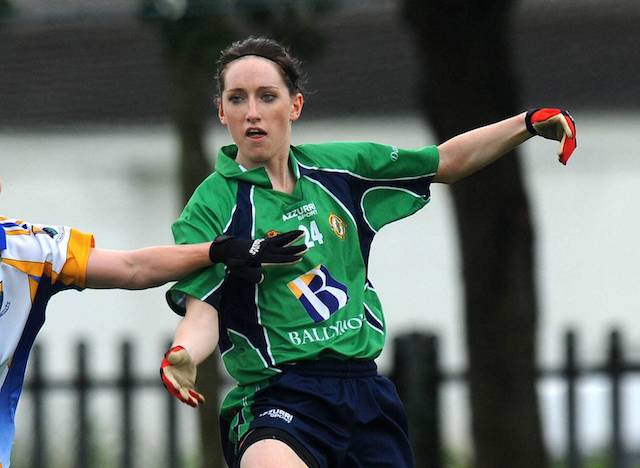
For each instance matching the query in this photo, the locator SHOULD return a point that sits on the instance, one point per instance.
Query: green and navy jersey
(325, 305)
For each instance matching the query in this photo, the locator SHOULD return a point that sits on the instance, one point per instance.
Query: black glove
(245, 257)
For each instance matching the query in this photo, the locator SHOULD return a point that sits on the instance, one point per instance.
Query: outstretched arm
(154, 266)
(144, 268)
(196, 337)
(469, 152)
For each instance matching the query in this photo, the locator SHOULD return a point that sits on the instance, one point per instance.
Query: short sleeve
(387, 183)
(202, 220)
(59, 253)
(370, 160)
(384, 162)
(74, 270)
(401, 185)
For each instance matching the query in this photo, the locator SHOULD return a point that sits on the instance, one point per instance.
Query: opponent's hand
(554, 124)
(246, 257)
(178, 374)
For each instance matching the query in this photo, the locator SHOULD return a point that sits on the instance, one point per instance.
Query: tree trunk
(192, 103)
(469, 82)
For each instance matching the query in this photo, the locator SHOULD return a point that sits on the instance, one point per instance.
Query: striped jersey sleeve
(388, 183)
(36, 261)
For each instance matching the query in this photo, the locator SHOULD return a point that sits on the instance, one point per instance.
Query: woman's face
(257, 108)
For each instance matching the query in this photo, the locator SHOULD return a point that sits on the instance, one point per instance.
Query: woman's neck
(280, 175)
(278, 171)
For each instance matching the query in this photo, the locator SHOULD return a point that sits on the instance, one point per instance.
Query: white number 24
(311, 234)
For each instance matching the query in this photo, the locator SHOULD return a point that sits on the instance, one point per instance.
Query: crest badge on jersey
(338, 226)
(49, 231)
(320, 293)
(271, 234)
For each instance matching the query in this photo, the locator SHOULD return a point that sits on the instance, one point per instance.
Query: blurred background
(107, 123)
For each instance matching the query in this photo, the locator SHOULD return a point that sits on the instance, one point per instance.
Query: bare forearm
(155, 266)
(145, 268)
(198, 331)
(471, 151)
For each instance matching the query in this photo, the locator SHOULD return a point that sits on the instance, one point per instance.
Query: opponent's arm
(144, 268)
(469, 152)
(196, 337)
(154, 266)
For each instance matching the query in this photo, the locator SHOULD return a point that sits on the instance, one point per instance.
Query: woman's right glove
(178, 374)
(245, 257)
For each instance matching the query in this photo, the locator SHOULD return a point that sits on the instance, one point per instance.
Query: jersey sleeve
(372, 160)
(388, 183)
(74, 269)
(389, 163)
(60, 253)
(202, 220)
(402, 182)
(67, 250)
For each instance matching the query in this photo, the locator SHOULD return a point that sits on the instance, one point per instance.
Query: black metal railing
(419, 383)
(81, 386)
(420, 388)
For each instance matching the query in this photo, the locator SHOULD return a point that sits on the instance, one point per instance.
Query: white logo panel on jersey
(322, 296)
(319, 293)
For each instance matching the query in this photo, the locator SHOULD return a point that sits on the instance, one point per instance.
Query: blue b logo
(320, 294)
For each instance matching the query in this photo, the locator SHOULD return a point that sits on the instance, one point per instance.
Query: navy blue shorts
(332, 414)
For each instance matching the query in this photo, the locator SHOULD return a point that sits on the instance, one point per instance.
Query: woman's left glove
(178, 374)
(554, 124)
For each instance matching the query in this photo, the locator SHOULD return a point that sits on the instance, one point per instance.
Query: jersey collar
(227, 166)
(3, 239)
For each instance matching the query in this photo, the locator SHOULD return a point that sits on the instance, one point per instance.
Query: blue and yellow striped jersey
(36, 261)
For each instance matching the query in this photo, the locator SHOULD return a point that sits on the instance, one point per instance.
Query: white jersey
(36, 261)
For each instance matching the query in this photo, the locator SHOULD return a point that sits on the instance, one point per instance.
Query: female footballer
(301, 339)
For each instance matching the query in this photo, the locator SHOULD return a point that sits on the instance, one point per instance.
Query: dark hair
(289, 66)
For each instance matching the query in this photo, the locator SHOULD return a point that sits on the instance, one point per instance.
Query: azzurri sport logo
(320, 294)
(301, 212)
(278, 413)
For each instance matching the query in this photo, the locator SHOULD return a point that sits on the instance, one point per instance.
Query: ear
(296, 107)
(221, 116)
